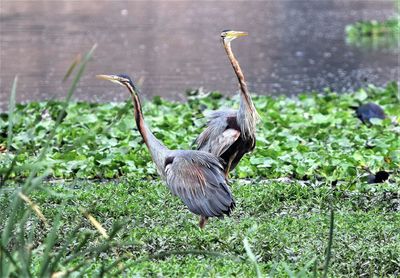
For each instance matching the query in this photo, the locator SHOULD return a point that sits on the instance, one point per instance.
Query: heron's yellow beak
(107, 77)
(112, 78)
(236, 34)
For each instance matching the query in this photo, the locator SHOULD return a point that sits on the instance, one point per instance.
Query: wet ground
(294, 46)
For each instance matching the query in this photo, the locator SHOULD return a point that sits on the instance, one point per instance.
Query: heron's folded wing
(201, 184)
(217, 142)
(221, 143)
(216, 126)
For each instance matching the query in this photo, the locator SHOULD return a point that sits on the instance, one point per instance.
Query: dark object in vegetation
(197, 177)
(368, 111)
(230, 134)
(379, 177)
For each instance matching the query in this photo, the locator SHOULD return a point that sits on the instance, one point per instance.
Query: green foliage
(312, 137)
(11, 112)
(374, 34)
(374, 28)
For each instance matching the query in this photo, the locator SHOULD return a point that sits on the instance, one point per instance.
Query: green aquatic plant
(310, 137)
(374, 28)
(375, 34)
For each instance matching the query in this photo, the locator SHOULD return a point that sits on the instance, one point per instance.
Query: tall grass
(329, 247)
(252, 257)
(22, 253)
(11, 108)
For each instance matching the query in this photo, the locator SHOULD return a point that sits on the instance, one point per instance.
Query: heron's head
(121, 79)
(230, 35)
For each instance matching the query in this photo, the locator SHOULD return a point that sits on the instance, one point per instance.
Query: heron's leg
(228, 166)
(203, 221)
(227, 171)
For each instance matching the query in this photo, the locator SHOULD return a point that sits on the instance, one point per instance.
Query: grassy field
(311, 161)
(286, 224)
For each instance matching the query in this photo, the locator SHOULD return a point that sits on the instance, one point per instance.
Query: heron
(230, 134)
(197, 177)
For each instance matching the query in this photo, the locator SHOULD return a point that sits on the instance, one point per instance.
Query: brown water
(294, 46)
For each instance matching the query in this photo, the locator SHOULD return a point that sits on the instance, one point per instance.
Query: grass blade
(96, 224)
(12, 218)
(71, 68)
(22, 250)
(34, 207)
(11, 108)
(16, 207)
(62, 112)
(79, 74)
(6, 254)
(251, 256)
(329, 248)
(288, 271)
(63, 249)
(49, 243)
(77, 251)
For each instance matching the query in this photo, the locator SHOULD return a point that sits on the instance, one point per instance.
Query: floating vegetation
(374, 34)
(310, 137)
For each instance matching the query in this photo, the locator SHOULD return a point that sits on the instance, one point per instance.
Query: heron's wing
(198, 179)
(218, 137)
(220, 144)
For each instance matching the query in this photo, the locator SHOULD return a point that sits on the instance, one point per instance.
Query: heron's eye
(223, 35)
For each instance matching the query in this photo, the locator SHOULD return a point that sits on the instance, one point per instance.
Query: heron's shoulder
(221, 114)
(193, 156)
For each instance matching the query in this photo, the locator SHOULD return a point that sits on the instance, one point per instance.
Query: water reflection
(293, 46)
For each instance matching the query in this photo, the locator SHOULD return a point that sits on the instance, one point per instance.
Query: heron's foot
(203, 221)
(227, 175)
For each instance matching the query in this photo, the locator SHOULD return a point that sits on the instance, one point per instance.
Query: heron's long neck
(247, 114)
(156, 148)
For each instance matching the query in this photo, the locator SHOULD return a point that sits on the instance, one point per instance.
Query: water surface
(294, 46)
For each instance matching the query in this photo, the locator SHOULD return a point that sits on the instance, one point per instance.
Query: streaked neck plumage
(156, 147)
(247, 116)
